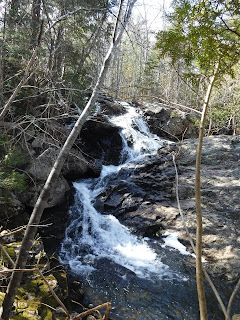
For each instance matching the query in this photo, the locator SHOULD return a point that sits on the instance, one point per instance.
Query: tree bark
(36, 22)
(2, 58)
(199, 268)
(56, 169)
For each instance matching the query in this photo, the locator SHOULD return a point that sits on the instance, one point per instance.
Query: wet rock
(100, 140)
(135, 196)
(77, 167)
(55, 221)
(143, 197)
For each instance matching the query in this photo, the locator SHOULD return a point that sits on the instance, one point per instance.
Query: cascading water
(136, 275)
(91, 235)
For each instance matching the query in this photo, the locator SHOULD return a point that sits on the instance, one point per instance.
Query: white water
(91, 235)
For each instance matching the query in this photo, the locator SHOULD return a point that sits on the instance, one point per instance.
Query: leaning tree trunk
(199, 268)
(56, 169)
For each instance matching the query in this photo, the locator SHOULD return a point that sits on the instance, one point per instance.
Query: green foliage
(202, 34)
(66, 58)
(15, 158)
(11, 159)
(225, 107)
(12, 180)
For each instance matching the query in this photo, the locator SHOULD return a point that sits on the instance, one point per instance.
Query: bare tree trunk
(116, 89)
(36, 22)
(199, 268)
(12, 20)
(2, 58)
(156, 90)
(56, 169)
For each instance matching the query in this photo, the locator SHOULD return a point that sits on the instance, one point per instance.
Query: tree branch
(229, 29)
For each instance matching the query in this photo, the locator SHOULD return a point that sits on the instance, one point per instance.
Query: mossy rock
(32, 299)
(236, 317)
(2, 294)
(11, 253)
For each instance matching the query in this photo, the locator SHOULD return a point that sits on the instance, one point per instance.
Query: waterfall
(91, 235)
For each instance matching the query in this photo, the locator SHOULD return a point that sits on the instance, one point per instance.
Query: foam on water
(92, 236)
(172, 241)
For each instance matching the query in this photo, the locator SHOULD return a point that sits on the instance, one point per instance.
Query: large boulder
(100, 140)
(39, 171)
(170, 123)
(109, 106)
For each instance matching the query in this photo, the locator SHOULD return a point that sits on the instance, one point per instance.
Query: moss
(15, 158)
(13, 181)
(26, 309)
(174, 114)
(11, 253)
(2, 294)
(34, 296)
(12, 247)
(12, 158)
(30, 297)
(46, 313)
(18, 317)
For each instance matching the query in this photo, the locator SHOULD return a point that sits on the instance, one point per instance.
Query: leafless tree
(46, 191)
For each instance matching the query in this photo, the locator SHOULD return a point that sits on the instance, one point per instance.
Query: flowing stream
(142, 278)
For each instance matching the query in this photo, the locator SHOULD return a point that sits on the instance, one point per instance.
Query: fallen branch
(12, 263)
(25, 78)
(16, 270)
(234, 293)
(90, 311)
(13, 232)
(169, 103)
(53, 293)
